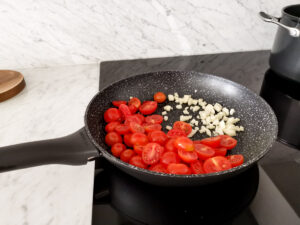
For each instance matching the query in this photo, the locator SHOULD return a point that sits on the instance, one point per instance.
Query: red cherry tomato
(235, 160)
(160, 168)
(178, 168)
(186, 156)
(213, 142)
(154, 119)
(122, 129)
(227, 142)
(111, 126)
(132, 109)
(184, 143)
(169, 157)
(220, 151)
(175, 133)
(135, 102)
(118, 103)
(127, 140)
(197, 167)
(157, 136)
(138, 149)
(151, 127)
(216, 164)
(132, 118)
(204, 152)
(112, 138)
(137, 161)
(160, 97)
(139, 139)
(125, 110)
(197, 142)
(151, 153)
(148, 107)
(169, 146)
(136, 128)
(112, 114)
(180, 125)
(141, 117)
(126, 155)
(117, 149)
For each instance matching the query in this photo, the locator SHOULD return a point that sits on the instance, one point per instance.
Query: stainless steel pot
(285, 54)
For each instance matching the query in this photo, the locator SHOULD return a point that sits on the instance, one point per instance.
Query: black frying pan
(88, 143)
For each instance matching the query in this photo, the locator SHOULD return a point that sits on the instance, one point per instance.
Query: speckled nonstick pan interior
(256, 116)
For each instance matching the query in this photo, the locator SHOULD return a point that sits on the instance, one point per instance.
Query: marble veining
(50, 33)
(52, 105)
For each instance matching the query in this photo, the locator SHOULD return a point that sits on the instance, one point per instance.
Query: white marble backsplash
(65, 32)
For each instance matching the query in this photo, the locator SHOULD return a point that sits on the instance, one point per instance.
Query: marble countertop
(51, 105)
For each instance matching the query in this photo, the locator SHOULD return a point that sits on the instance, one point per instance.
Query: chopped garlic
(166, 118)
(171, 98)
(226, 111)
(190, 101)
(168, 127)
(218, 107)
(196, 108)
(185, 111)
(168, 108)
(210, 126)
(208, 132)
(193, 132)
(185, 118)
(202, 130)
(164, 113)
(231, 112)
(178, 106)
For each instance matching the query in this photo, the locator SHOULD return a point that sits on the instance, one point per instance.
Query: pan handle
(74, 149)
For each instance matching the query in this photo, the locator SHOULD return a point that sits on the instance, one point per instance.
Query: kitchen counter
(51, 105)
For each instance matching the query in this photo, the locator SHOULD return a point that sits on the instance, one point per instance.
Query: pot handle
(294, 32)
(74, 149)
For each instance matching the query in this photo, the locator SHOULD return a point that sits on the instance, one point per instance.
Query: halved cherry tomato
(184, 143)
(216, 164)
(136, 128)
(117, 149)
(227, 142)
(213, 142)
(236, 160)
(135, 102)
(126, 155)
(141, 117)
(137, 161)
(138, 149)
(151, 153)
(132, 109)
(197, 142)
(111, 126)
(169, 146)
(112, 138)
(204, 151)
(197, 167)
(139, 139)
(151, 127)
(148, 107)
(127, 140)
(187, 156)
(169, 157)
(175, 133)
(132, 118)
(125, 110)
(112, 114)
(154, 119)
(180, 125)
(118, 103)
(122, 129)
(220, 151)
(178, 168)
(157, 136)
(160, 168)
(160, 97)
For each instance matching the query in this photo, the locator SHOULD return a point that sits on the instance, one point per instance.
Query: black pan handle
(74, 149)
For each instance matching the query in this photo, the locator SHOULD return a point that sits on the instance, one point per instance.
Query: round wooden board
(11, 83)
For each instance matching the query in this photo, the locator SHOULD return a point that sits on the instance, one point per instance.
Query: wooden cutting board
(11, 83)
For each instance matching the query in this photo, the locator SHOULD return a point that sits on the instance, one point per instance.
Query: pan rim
(240, 168)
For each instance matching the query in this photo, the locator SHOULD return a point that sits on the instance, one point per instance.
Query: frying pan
(88, 143)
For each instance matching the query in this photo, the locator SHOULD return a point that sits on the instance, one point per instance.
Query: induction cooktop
(266, 194)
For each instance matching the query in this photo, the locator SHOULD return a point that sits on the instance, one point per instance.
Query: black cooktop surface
(263, 195)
